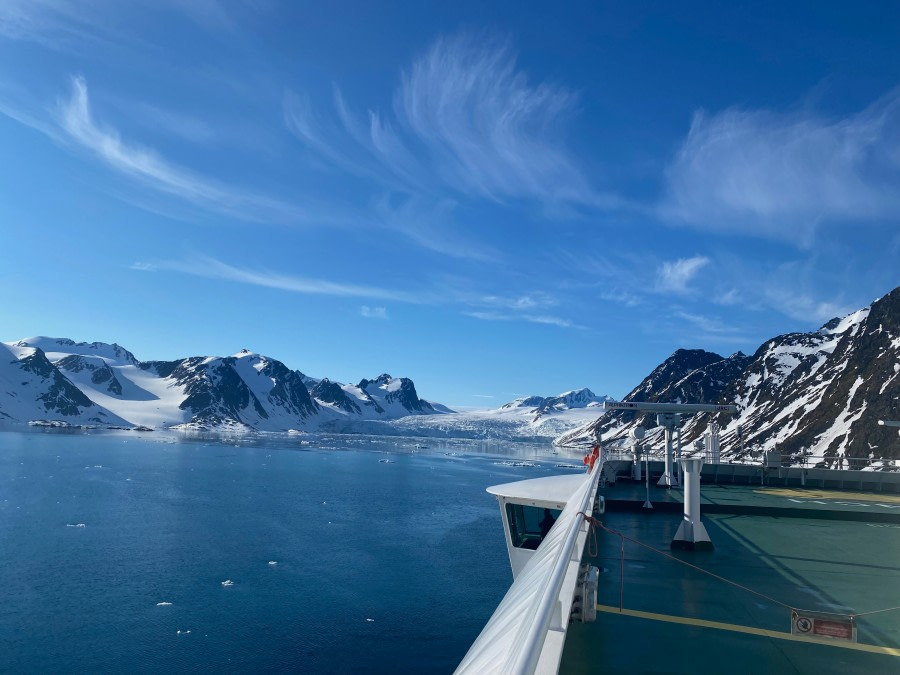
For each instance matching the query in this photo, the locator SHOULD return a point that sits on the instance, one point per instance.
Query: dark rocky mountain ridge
(246, 390)
(819, 393)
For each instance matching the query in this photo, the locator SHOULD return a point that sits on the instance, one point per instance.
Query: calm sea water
(390, 558)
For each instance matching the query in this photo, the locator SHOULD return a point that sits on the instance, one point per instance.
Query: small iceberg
(385, 461)
(183, 632)
(76, 525)
(163, 604)
(227, 583)
(273, 562)
(370, 620)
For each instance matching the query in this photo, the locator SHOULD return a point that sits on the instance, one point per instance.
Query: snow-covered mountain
(528, 418)
(569, 400)
(102, 383)
(820, 392)
(32, 388)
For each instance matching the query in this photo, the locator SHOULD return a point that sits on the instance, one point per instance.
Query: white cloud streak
(148, 167)
(373, 312)
(429, 223)
(211, 268)
(521, 302)
(52, 23)
(709, 325)
(674, 277)
(69, 27)
(465, 117)
(529, 318)
(802, 306)
(490, 131)
(780, 175)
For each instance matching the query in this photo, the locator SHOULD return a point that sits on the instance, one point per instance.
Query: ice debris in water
(370, 620)
(163, 604)
(273, 562)
(227, 583)
(76, 525)
(183, 632)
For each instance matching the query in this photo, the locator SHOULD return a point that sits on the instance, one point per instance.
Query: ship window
(525, 524)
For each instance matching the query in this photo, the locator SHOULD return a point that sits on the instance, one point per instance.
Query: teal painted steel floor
(809, 562)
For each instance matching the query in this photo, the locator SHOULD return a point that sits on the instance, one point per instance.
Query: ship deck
(820, 550)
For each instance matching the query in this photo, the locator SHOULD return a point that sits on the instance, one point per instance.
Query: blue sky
(492, 199)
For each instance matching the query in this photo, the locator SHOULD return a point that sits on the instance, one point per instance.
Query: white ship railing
(527, 631)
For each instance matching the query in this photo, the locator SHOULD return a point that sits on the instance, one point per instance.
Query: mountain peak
(58, 348)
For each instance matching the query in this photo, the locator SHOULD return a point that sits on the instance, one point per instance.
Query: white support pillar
(669, 421)
(715, 451)
(678, 455)
(692, 534)
(637, 434)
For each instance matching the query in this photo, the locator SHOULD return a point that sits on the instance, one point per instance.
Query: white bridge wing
(527, 630)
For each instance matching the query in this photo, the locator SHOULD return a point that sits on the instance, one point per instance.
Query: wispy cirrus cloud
(373, 312)
(490, 131)
(780, 175)
(430, 223)
(802, 306)
(212, 268)
(464, 117)
(528, 301)
(675, 276)
(546, 319)
(53, 23)
(707, 324)
(76, 120)
(67, 26)
(467, 125)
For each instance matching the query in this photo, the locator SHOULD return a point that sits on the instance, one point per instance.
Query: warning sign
(821, 625)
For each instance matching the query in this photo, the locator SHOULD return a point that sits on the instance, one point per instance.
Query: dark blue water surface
(390, 558)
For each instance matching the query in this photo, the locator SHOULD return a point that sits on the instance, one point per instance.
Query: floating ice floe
(528, 464)
(75, 525)
(227, 583)
(370, 620)
(273, 562)
(183, 632)
(385, 461)
(163, 604)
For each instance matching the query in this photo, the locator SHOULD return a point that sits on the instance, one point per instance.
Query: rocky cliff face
(820, 393)
(246, 390)
(32, 388)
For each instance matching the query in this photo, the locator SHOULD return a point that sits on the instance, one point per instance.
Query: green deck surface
(830, 565)
(757, 498)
